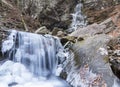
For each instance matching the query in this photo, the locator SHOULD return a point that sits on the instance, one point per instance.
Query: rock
(116, 18)
(37, 13)
(115, 33)
(42, 30)
(110, 25)
(51, 13)
(99, 10)
(68, 38)
(58, 16)
(60, 34)
(90, 30)
(63, 75)
(106, 27)
(113, 44)
(92, 51)
(12, 84)
(114, 55)
(115, 66)
(55, 31)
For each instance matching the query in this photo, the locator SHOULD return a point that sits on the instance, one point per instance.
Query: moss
(106, 59)
(80, 43)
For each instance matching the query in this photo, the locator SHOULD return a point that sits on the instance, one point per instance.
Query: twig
(39, 29)
(17, 3)
(24, 24)
(4, 30)
(67, 44)
(8, 4)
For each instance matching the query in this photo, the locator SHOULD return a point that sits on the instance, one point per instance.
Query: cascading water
(78, 18)
(34, 61)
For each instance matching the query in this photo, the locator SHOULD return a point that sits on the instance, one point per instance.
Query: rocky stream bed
(94, 49)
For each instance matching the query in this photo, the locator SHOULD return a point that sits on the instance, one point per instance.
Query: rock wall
(98, 10)
(37, 13)
(51, 13)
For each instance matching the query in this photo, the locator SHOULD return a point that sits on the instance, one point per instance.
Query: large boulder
(92, 51)
(106, 27)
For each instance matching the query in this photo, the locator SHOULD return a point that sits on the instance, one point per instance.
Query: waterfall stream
(79, 19)
(32, 61)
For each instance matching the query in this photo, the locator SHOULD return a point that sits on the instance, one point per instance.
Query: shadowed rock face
(37, 13)
(58, 16)
(51, 13)
(114, 55)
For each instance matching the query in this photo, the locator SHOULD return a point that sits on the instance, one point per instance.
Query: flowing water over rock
(32, 61)
(78, 18)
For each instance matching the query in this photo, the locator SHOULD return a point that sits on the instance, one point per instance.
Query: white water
(34, 62)
(11, 72)
(78, 18)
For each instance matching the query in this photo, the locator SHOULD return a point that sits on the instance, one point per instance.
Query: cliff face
(53, 13)
(99, 10)
(49, 13)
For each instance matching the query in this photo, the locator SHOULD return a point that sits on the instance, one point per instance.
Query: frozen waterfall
(32, 61)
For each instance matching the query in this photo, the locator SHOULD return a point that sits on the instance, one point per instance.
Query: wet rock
(63, 75)
(12, 84)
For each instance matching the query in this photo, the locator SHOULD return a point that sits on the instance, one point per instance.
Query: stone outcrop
(99, 10)
(104, 27)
